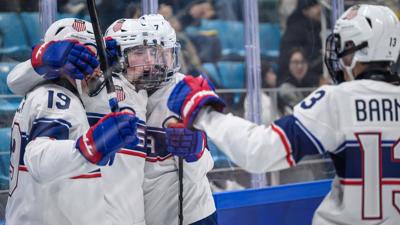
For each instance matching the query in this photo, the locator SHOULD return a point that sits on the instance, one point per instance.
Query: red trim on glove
(38, 52)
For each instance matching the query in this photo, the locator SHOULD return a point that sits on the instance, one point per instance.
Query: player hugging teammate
(141, 186)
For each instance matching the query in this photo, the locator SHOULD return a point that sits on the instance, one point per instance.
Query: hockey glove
(107, 136)
(54, 58)
(184, 142)
(113, 50)
(190, 95)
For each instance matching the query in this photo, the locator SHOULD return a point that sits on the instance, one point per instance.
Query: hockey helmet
(168, 39)
(369, 33)
(142, 62)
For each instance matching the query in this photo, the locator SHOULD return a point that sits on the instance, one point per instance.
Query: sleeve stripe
(47, 120)
(132, 152)
(95, 115)
(52, 128)
(286, 144)
(313, 139)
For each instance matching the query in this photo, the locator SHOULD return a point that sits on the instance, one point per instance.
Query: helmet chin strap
(349, 69)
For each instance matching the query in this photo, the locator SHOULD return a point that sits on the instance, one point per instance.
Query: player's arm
(253, 147)
(49, 159)
(51, 154)
(50, 60)
(22, 78)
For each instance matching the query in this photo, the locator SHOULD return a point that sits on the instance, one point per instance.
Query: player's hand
(113, 50)
(54, 58)
(190, 95)
(107, 136)
(186, 143)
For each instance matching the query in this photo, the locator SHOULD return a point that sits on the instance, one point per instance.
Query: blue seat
(65, 15)
(32, 24)
(5, 68)
(220, 159)
(5, 138)
(13, 37)
(232, 36)
(228, 75)
(212, 73)
(9, 104)
(270, 36)
(232, 74)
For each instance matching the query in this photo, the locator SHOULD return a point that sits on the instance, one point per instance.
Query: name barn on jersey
(377, 110)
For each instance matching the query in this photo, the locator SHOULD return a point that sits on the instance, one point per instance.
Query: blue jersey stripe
(315, 141)
(301, 140)
(52, 128)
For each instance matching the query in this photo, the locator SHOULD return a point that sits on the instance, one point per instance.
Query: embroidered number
(17, 143)
(371, 156)
(62, 101)
(306, 104)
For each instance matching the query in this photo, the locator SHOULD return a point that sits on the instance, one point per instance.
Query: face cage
(331, 58)
(153, 76)
(175, 54)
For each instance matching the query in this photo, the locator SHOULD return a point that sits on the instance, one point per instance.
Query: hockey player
(53, 147)
(123, 189)
(355, 122)
(122, 182)
(161, 186)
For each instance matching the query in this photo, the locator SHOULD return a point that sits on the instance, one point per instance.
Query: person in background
(298, 78)
(303, 30)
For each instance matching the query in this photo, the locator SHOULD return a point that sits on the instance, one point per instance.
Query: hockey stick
(180, 175)
(174, 120)
(101, 50)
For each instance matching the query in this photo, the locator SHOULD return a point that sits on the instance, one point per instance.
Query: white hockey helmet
(137, 39)
(370, 32)
(71, 28)
(168, 39)
(82, 31)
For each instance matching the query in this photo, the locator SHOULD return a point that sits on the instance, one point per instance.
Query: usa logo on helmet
(79, 25)
(352, 13)
(118, 25)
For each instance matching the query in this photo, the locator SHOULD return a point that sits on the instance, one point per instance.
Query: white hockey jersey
(161, 186)
(357, 123)
(123, 180)
(47, 186)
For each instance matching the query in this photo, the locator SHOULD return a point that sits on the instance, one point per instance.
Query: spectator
(132, 10)
(298, 78)
(303, 30)
(195, 12)
(286, 8)
(268, 74)
(229, 9)
(189, 60)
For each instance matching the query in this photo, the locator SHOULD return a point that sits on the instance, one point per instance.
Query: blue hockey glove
(113, 50)
(107, 136)
(190, 95)
(186, 143)
(54, 58)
